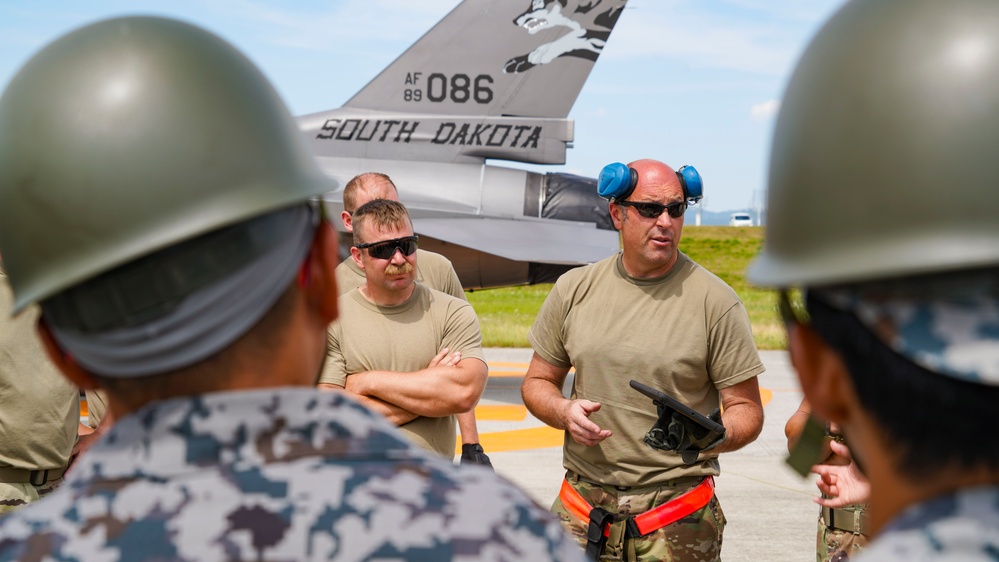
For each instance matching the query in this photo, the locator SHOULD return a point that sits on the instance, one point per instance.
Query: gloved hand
(676, 432)
(472, 453)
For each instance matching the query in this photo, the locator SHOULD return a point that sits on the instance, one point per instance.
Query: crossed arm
(449, 385)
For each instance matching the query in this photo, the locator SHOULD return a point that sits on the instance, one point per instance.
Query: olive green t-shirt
(402, 338)
(40, 412)
(685, 333)
(433, 270)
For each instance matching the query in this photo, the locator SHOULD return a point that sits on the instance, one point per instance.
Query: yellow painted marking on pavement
(493, 373)
(518, 440)
(512, 369)
(509, 364)
(500, 413)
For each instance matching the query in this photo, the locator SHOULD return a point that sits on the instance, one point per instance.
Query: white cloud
(765, 110)
(795, 10)
(353, 22)
(746, 38)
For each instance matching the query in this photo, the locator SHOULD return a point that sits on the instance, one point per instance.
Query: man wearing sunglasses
(412, 353)
(650, 314)
(891, 299)
(432, 269)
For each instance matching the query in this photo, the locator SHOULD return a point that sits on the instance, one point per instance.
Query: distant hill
(715, 218)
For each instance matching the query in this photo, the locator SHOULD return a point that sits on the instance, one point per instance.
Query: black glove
(472, 453)
(675, 432)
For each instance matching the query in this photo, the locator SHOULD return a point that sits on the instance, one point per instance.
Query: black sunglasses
(653, 210)
(385, 249)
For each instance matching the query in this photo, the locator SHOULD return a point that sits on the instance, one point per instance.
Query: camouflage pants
(13, 496)
(837, 545)
(695, 538)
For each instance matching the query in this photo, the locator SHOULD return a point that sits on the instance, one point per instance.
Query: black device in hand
(681, 428)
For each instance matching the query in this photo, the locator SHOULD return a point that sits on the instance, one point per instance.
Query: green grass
(726, 251)
(506, 314)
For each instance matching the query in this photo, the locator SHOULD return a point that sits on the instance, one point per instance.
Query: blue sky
(684, 81)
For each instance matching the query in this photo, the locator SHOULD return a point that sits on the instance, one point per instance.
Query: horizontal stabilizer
(350, 134)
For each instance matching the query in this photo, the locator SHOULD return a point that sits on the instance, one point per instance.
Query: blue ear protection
(690, 181)
(616, 182)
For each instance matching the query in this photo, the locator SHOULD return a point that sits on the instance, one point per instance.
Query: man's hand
(442, 359)
(542, 394)
(843, 484)
(578, 424)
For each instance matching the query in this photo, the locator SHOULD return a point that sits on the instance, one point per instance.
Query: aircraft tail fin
(522, 58)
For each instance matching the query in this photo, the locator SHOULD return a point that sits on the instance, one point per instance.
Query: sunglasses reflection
(385, 249)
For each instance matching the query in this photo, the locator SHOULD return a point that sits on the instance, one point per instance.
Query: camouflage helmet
(883, 161)
(130, 135)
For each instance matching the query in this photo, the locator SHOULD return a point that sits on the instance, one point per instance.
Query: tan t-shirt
(40, 412)
(433, 270)
(403, 338)
(97, 406)
(685, 333)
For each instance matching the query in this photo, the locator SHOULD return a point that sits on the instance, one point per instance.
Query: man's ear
(617, 215)
(64, 362)
(319, 285)
(355, 254)
(348, 221)
(823, 376)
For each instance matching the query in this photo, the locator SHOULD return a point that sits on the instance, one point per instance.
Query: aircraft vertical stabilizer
(516, 58)
(490, 80)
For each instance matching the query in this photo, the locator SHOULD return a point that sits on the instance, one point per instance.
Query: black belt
(849, 520)
(11, 475)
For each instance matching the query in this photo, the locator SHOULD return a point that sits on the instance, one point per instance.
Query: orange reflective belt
(653, 519)
(676, 509)
(577, 505)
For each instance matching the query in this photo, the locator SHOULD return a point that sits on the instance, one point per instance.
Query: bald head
(363, 188)
(368, 187)
(655, 172)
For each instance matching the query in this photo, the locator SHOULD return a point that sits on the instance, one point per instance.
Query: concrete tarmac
(769, 508)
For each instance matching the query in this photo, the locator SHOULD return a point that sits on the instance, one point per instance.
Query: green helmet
(884, 159)
(133, 134)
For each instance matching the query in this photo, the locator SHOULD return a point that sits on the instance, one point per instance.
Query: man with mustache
(411, 353)
(433, 270)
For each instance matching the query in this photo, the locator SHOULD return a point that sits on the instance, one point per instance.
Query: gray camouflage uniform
(289, 474)
(961, 526)
(950, 326)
